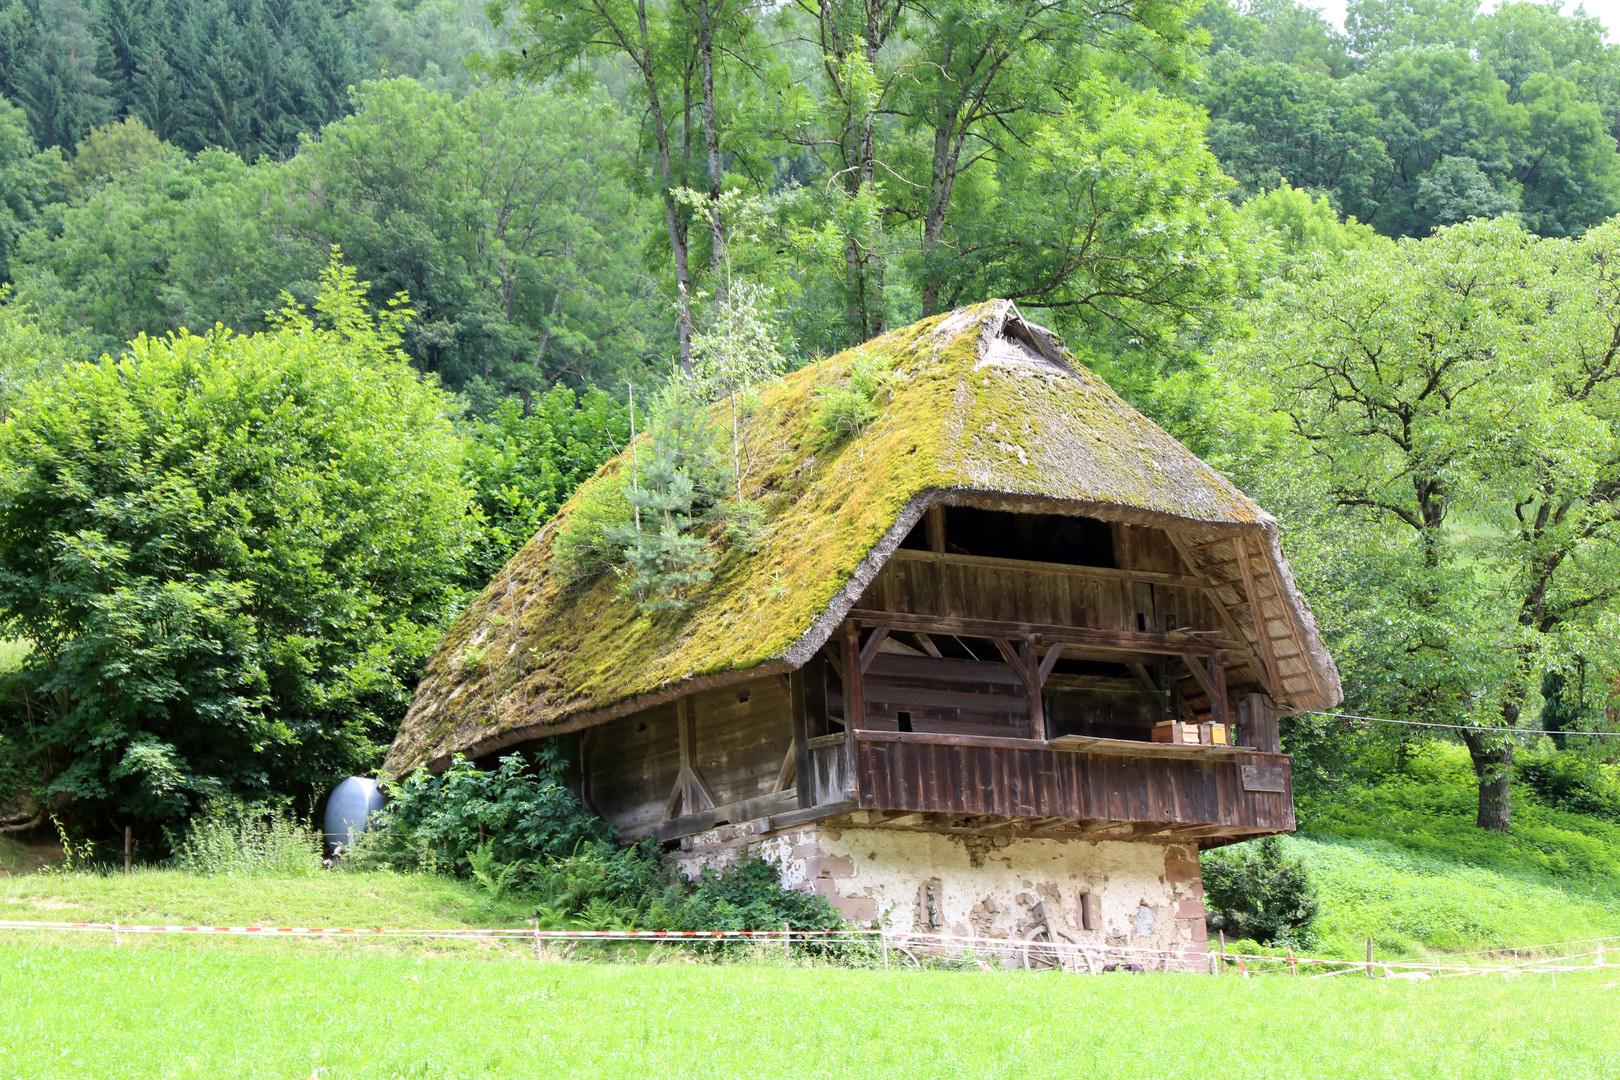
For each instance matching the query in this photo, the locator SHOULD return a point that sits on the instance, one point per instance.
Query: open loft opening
(999, 534)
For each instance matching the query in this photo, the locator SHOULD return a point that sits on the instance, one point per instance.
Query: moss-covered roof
(984, 403)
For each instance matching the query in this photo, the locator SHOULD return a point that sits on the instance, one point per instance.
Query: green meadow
(97, 1010)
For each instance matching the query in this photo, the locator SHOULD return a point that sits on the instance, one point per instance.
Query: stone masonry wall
(1147, 895)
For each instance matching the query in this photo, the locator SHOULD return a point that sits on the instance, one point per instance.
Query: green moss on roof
(973, 410)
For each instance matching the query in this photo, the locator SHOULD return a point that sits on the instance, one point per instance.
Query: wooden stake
(1293, 969)
(537, 937)
(1369, 958)
(787, 941)
(1222, 963)
(883, 937)
(128, 843)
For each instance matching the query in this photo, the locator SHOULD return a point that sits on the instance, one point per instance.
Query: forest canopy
(622, 217)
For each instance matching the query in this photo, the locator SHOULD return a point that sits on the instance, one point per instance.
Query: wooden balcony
(1072, 787)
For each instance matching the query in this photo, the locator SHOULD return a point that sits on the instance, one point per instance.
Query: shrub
(1255, 892)
(1571, 782)
(231, 554)
(232, 839)
(515, 813)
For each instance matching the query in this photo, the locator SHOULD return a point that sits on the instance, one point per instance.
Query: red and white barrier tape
(1438, 968)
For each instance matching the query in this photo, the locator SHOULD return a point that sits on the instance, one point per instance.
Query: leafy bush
(516, 813)
(231, 554)
(1255, 892)
(1571, 782)
(232, 839)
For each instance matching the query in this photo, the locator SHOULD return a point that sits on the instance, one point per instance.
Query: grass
(100, 1011)
(159, 896)
(1401, 861)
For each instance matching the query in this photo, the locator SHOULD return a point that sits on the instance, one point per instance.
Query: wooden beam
(1268, 652)
(694, 791)
(934, 526)
(1220, 709)
(873, 643)
(798, 709)
(1214, 595)
(1200, 676)
(791, 818)
(1032, 678)
(1095, 573)
(788, 773)
(1014, 661)
(1084, 637)
(704, 820)
(1049, 661)
(928, 645)
(854, 683)
(1140, 670)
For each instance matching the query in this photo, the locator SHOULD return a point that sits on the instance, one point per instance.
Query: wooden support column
(691, 790)
(854, 683)
(1033, 682)
(934, 525)
(1219, 710)
(803, 776)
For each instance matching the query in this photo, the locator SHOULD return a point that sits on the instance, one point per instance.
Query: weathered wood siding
(947, 778)
(631, 764)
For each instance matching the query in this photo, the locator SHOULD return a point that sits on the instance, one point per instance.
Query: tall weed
(238, 840)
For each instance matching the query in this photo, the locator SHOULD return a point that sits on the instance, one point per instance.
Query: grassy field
(101, 1011)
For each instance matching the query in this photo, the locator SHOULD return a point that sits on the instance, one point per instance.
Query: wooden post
(803, 771)
(883, 939)
(537, 937)
(1219, 712)
(854, 683)
(934, 525)
(1293, 969)
(1221, 961)
(787, 941)
(128, 844)
(1369, 958)
(1032, 677)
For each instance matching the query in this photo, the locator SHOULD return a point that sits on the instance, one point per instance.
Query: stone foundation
(1142, 894)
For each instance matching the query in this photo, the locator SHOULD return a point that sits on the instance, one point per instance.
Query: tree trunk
(1492, 755)
(672, 217)
(941, 178)
(711, 146)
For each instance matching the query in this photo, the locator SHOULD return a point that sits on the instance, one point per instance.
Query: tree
(522, 467)
(673, 50)
(1453, 407)
(231, 553)
(1113, 217)
(1274, 124)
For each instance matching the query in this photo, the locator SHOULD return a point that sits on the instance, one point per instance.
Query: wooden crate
(1175, 731)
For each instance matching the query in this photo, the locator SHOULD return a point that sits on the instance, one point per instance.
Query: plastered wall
(1147, 895)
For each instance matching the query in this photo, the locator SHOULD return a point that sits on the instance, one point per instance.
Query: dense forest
(1369, 273)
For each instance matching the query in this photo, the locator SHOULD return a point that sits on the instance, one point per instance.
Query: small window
(904, 720)
(1088, 911)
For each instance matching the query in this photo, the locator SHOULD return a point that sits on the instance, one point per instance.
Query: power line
(1461, 727)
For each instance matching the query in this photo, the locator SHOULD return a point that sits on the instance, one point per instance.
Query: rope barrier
(1462, 727)
(1439, 967)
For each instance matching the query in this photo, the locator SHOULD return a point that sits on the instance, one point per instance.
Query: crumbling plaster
(1147, 895)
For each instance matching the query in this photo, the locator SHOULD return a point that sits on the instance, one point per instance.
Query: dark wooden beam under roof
(1085, 637)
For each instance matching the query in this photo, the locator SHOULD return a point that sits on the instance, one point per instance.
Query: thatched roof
(987, 408)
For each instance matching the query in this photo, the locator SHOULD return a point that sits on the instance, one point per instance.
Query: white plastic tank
(349, 807)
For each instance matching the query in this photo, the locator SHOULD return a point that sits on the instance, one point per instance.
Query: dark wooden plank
(689, 824)
(1032, 567)
(1117, 640)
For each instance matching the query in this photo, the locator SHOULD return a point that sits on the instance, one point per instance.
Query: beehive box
(1177, 731)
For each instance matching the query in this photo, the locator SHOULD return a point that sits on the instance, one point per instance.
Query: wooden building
(934, 692)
